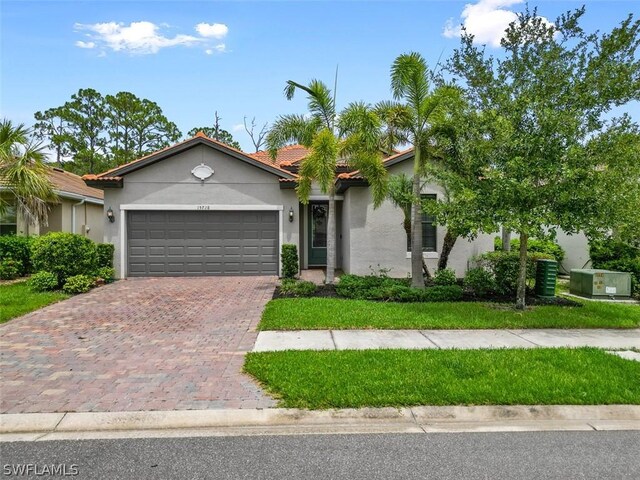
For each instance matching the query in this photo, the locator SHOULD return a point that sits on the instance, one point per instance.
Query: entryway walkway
(444, 339)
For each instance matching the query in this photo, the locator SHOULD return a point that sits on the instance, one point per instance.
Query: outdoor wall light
(110, 215)
(291, 214)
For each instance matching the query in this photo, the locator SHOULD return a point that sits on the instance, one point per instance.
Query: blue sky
(193, 58)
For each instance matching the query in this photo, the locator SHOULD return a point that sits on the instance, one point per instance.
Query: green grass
(17, 299)
(377, 378)
(332, 313)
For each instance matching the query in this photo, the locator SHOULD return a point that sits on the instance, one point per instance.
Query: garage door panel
(177, 243)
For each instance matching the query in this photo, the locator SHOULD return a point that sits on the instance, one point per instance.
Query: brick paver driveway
(141, 344)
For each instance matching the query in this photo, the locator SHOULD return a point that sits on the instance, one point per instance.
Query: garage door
(185, 243)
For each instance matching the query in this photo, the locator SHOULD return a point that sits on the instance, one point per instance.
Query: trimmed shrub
(64, 254)
(372, 287)
(442, 293)
(107, 274)
(359, 287)
(10, 269)
(43, 281)
(480, 282)
(289, 260)
(298, 288)
(105, 254)
(77, 284)
(610, 254)
(444, 277)
(17, 248)
(543, 246)
(505, 266)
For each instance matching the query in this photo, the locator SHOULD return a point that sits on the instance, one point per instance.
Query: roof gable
(116, 174)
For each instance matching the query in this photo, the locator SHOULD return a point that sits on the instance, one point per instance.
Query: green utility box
(600, 283)
(546, 274)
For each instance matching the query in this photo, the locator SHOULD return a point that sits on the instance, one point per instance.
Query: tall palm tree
(24, 174)
(354, 138)
(411, 84)
(400, 193)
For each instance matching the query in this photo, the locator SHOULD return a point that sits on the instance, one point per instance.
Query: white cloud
(137, 37)
(82, 44)
(212, 30)
(486, 20)
(147, 38)
(238, 127)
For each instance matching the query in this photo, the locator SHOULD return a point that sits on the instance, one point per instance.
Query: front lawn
(378, 378)
(17, 299)
(332, 313)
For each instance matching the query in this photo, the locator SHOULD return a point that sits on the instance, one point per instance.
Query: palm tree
(24, 174)
(425, 107)
(353, 139)
(400, 193)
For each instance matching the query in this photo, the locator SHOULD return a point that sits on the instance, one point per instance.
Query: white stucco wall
(377, 238)
(576, 248)
(170, 182)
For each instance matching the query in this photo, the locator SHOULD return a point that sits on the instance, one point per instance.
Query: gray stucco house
(201, 207)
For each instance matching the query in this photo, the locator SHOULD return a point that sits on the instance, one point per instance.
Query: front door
(318, 213)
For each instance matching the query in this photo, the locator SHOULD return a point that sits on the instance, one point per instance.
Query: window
(428, 230)
(8, 221)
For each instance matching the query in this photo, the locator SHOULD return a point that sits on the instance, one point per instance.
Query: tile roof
(288, 155)
(355, 175)
(67, 182)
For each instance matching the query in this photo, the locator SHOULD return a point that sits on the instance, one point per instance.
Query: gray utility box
(600, 283)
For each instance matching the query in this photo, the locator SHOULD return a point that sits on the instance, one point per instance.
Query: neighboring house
(79, 210)
(201, 207)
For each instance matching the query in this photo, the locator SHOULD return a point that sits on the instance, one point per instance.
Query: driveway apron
(137, 344)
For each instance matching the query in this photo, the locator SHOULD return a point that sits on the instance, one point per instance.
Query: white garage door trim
(203, 207)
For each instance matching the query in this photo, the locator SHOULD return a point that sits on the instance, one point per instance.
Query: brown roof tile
(289, 155)
(68, 182)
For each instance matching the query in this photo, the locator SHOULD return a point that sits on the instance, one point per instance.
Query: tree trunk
(506, 239)
(425, 268)
(331, 240)
(416, 227)
(522, 273)
(447, 246)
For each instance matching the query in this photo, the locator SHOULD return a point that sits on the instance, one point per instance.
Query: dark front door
(318, 213)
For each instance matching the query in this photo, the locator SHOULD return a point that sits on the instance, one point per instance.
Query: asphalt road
(539, 455)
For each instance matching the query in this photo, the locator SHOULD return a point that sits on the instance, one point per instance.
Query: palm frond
(320, 164)
(320, 100)
(24, 174)
(290, 129)
(410, 79)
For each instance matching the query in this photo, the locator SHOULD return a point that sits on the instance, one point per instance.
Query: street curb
(49, 426)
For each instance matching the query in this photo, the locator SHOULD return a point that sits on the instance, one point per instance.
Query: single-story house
(201, 207)
(79, 209)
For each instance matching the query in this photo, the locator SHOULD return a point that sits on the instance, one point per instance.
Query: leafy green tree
(98, 132)
(152, 131)
(355, 139)
(52, 126)
(24, 174)
(543, 142)
(86, 115)
(425, 107)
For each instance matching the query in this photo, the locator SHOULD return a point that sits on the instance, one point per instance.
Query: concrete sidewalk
(446, 339)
